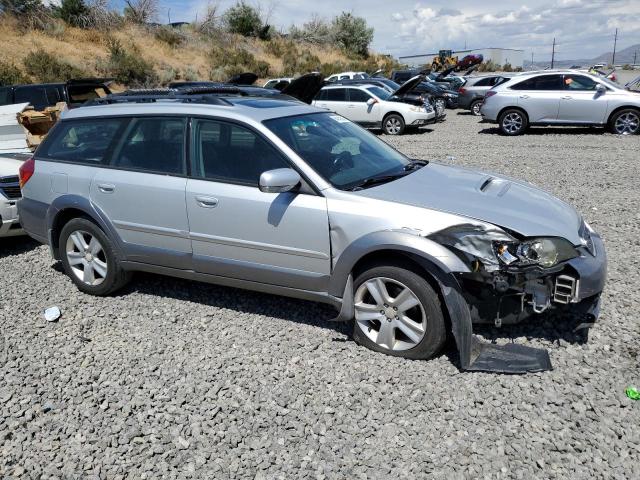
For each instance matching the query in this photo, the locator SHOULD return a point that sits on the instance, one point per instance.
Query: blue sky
(583, 28)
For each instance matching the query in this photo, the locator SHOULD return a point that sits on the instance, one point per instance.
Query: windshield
(379, 92)
(341, 152)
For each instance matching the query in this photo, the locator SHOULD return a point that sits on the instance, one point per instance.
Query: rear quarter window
(81, 141)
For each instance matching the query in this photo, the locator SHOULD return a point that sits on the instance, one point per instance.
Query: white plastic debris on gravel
(174, 379)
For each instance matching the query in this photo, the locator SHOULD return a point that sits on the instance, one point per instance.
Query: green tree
(74, 12)
(352, 33)
(20, 7)
(245, 20)
(10, 74)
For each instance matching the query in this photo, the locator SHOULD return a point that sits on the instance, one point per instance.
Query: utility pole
(615, 41)
(553, 53)
(531, 59)
(635, 55)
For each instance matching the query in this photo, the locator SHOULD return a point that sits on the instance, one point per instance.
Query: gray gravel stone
(187, 380)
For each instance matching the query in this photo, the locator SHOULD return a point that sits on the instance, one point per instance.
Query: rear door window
(154, 145)
(356, 95)
(86, 141)
(484, 82)
(542, 83)
(337, 94)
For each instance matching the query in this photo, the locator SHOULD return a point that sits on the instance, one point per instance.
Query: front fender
(429, 252)
(442, 265)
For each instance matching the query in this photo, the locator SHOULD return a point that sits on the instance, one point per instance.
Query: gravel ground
(175, 379)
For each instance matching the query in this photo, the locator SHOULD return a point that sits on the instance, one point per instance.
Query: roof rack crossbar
(153, 98)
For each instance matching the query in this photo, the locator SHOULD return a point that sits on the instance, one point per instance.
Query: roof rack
(207, 94)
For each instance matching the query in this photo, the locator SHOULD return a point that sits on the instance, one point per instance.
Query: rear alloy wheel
(397, 313)
(475, 107)
(393, 124)
(89, 258)
(512, 122)
(625, 122)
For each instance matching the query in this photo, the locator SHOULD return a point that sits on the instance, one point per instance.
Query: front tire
(397, 313)
(89, 258)
(625, 122)
(513, 122)
(393, 124)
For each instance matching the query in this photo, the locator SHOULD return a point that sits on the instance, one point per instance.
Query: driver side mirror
(279, 180)
(601, 89)
(372, 101)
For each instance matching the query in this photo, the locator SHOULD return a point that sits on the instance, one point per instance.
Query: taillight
(462, 91)
(26, 171)
(489, 93)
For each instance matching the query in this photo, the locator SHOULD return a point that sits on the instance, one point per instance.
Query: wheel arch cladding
(520, 109)
(67, 207)
(442, 265)
(623, 107)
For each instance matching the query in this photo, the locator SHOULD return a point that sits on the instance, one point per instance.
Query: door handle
(568, 97)
(106, 187)
(206, 202)
(524, 96)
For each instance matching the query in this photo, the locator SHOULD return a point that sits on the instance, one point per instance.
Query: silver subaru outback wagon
(272, 195)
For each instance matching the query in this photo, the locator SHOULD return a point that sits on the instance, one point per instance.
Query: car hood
(409, 85)
(502, 201)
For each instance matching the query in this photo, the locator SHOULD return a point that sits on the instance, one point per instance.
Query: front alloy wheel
(441, 104)
(390, 314)
(397, 312)
(393, 125)
(626, 122)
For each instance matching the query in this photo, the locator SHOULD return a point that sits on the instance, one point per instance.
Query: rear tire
(475, 108)
(625, 122)
(89, 258)
(397, 313)
(393, 124)
(513, 122)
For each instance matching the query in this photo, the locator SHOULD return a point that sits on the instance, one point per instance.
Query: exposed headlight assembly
(545, 252)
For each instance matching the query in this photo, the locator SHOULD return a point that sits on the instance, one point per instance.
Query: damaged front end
(511, 279)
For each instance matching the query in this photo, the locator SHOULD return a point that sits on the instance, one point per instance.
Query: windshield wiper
(371, 181)
(415, 164)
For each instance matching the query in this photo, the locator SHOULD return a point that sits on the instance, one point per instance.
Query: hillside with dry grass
(141, 55)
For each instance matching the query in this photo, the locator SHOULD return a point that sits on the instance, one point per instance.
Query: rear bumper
(33, 217)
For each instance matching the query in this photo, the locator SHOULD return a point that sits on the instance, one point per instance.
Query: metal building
(499, 56)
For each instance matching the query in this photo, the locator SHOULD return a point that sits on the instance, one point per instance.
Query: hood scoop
(494, 186)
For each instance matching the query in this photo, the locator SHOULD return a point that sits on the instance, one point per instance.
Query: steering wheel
(340, 162)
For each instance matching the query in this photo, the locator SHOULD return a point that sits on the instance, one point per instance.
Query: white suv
(561, 98)
(374, 107)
